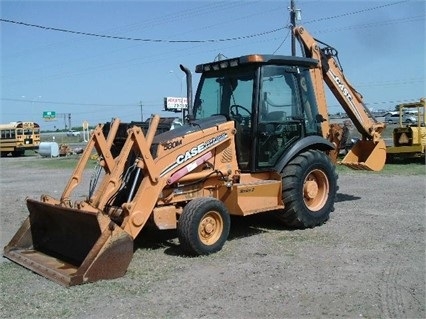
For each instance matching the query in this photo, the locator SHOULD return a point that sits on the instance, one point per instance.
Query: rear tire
(203, 226)
(309, 190)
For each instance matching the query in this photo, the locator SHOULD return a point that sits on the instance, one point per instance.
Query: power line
(104, 67)
(393, 83)
(159, 56)
(283, 41)
(190, 41)
(375, 24)
(149, 23)
(154, 104)
(355, 12)
(377, 104)
(140, 39)
(65, 103)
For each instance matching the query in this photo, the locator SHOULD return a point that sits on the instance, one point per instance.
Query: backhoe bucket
(366, 155)
(70, 246)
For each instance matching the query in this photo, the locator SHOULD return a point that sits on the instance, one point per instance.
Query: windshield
(218, 92)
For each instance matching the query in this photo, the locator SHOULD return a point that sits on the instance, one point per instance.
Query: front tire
(203, 226)
(309, 190)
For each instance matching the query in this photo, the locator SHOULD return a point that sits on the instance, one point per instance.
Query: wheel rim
(315, 190)
(210, 228)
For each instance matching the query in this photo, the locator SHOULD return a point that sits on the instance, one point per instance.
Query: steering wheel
(236, 107)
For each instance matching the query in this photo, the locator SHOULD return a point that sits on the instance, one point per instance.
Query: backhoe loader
(409, 141)
(257, 139)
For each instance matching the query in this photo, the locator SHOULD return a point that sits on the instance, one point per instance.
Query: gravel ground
(367, 261)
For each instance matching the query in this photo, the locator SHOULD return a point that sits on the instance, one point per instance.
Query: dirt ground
(367, 261)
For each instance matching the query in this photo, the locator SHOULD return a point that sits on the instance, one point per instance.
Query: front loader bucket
(366, 155)
(70, 246)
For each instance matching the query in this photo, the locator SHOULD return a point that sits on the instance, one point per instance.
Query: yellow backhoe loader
(409, 140)
(257, 139)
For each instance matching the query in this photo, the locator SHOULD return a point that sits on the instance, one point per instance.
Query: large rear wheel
(203, 226)
(309, 190)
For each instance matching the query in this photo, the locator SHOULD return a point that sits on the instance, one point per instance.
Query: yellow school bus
(17, 137)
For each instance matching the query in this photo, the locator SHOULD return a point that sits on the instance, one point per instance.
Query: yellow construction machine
(409, 141)
(257, 139)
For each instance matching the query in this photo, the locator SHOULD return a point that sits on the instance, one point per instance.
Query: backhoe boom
(370, 152)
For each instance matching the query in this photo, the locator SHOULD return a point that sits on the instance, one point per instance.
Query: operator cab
(270, 99)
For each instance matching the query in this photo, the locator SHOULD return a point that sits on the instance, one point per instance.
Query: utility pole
(141, 105)
(293, 24)
(67, 116)
(69, 120)
(294, 16)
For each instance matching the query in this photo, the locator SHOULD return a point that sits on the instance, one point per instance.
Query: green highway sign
(49, 115)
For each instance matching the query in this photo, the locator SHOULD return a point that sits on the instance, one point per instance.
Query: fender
(310, 142)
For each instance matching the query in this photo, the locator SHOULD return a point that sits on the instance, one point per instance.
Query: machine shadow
(345, 198)
(241, 227)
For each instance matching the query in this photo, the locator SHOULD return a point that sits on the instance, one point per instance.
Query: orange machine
(257, 140)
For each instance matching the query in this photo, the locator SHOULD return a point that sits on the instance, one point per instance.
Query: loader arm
(370, 152)
(85, 241)
(103, 147)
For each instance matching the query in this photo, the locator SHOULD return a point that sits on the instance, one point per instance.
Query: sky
(121, 58)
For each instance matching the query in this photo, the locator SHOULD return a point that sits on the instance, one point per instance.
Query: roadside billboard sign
(175, 104)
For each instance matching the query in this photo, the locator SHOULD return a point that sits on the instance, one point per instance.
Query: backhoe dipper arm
(344, 92)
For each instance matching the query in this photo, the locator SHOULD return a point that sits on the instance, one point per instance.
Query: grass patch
(408, 167)
(61, 138)
(66, 162)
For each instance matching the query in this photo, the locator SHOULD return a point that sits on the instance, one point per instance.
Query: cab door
(283, 115)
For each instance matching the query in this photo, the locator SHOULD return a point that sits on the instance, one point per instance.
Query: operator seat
(269, 139)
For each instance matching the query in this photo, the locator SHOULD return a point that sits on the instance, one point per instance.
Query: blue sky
(381, 47)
